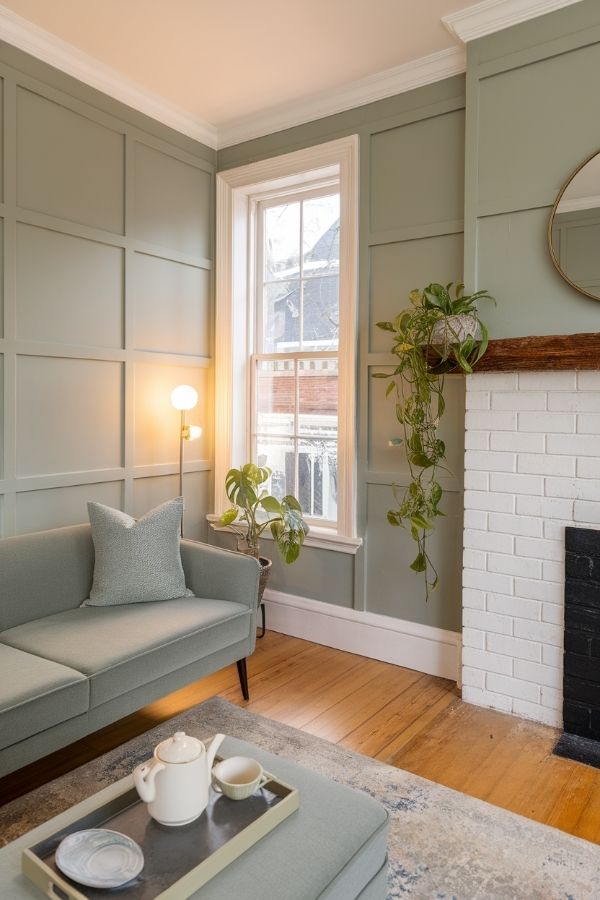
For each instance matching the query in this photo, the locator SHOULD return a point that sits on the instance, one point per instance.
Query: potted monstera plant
(254, 511)
(440, 332)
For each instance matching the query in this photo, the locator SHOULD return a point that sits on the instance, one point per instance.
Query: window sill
(319, 538)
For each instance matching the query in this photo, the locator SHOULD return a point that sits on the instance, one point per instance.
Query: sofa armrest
(220, 574)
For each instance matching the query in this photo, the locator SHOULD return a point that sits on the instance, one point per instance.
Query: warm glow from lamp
(195, 432)
(184, 397)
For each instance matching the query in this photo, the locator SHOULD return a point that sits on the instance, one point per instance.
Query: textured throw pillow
(136, 561)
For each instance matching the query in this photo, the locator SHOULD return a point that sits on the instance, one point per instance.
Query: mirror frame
(551, 222)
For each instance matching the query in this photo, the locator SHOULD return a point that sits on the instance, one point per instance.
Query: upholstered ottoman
(333, 848)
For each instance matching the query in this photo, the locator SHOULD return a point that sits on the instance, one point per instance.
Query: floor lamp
(184, 397)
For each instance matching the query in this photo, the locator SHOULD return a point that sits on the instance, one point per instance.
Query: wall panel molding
(96, 423)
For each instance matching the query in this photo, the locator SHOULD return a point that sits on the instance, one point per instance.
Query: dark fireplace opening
(581, 673)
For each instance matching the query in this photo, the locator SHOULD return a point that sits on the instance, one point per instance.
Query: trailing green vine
(439, 333)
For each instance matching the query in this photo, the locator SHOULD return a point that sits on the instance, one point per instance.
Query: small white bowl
(238, 777)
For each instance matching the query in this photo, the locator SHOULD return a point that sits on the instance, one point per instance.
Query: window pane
(321, 235)
(317, 478)
(282, 241)
(275, 397)
(279, 455)
(318, 397)
(320, 320)
(281, 316)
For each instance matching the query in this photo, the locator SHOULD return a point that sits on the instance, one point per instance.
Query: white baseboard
(421, 647)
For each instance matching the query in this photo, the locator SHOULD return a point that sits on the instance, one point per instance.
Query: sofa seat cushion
(123, 647)
(36, 694)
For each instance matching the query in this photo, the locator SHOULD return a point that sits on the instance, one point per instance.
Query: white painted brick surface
(532, 468)
(588, 424)
(544, 464)
(499, 523)
(483, 500)
(514, 441)
(492, 461)
(535, 589)
(478, 400)
(477, 519)
(586, 513)
(546, 381)
(550, 423)
(477, 440)
(587, 381)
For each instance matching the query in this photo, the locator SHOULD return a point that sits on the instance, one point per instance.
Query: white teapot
(175, 782)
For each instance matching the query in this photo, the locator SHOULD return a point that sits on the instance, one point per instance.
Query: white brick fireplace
(532, 466)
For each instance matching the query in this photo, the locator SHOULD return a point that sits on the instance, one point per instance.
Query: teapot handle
(212, 750)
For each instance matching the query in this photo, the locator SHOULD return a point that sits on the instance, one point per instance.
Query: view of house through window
(295, 396)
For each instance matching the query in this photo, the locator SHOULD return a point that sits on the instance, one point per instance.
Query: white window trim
(233, 322)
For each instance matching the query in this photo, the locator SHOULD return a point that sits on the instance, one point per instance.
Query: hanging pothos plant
(439, 333)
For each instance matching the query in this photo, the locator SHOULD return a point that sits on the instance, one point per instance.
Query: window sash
(331, 189)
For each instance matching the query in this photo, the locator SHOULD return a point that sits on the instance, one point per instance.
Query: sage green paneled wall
(411, 222)
(533, 115)
(107, 243)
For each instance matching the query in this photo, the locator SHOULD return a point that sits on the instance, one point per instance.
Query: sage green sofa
(68, 670)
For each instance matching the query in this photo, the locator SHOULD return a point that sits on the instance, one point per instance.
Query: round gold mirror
(574, 229)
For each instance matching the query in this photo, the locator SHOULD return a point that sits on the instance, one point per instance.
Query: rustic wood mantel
(547, 352)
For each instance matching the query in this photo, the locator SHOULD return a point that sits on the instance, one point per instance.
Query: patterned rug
(443, 845)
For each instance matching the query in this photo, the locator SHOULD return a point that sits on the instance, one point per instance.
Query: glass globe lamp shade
(184, 397)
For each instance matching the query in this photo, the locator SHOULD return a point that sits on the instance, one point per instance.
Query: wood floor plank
(413, 721)
(358, 706)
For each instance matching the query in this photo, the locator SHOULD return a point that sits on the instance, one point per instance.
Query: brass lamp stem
(183, 433)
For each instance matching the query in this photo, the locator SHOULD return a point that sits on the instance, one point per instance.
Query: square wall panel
(397, 269)
(69, 290)
(69, 166)
(384, 426)
(69, 415)
(417, 173)
(150, 492)
(172, 313)
(172, 202)
(56, 507)
(392, 588)
(157, 423)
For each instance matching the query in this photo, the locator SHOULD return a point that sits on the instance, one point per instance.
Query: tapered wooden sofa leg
(243, 676)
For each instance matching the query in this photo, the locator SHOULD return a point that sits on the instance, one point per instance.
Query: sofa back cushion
(44, 573)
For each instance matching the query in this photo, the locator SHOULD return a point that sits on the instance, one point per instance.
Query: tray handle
(57, 893)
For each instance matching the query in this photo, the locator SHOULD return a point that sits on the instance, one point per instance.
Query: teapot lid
(181, 748)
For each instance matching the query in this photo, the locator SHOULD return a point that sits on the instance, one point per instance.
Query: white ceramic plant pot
(454, 329)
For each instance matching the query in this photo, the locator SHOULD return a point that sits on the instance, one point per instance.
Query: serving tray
(177, 860)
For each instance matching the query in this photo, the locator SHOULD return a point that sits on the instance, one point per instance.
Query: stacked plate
(99, 858)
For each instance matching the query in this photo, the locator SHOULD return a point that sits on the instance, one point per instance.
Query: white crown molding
(388, 83)
(494, 15)
(420, 647)
(44, 45)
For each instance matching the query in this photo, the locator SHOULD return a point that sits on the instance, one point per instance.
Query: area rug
(443, 845)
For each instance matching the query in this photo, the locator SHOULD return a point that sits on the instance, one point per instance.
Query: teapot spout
(144, 779)
(212, 750)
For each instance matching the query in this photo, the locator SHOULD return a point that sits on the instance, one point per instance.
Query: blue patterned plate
(99, 858)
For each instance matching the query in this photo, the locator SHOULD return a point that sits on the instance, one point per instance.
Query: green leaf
(419, 563)
(390, 388)
(270, 504)
(420, 522)
(385, 326)
(229, 516)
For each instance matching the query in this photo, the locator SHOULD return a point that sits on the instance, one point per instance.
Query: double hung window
(295, 385)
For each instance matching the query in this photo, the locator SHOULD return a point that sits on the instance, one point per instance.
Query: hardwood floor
(404, 718)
